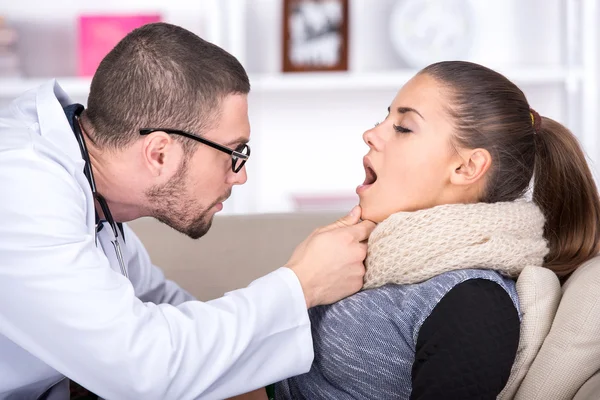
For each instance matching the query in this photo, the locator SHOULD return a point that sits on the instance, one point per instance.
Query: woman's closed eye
(398, 128)
(401, 129)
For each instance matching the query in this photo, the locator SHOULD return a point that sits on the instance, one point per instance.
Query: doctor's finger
(362, 230)
(350, 219)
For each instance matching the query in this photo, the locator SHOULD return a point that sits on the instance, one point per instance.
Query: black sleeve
(467, 345)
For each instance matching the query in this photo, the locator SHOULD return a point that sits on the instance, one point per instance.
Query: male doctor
(165, 135)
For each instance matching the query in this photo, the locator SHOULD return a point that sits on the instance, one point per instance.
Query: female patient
(446, 176)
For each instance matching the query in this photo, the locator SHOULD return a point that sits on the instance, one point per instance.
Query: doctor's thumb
(352, 218)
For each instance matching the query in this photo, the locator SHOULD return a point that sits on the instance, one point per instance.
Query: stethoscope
(87, 170)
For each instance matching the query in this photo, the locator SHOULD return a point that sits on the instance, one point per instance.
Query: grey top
(365, 345)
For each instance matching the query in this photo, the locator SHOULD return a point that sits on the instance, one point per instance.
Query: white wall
(308, 141)
(322, 130)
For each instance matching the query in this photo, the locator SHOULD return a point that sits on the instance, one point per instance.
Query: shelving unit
(13, 87)
(316, 114)
(306, 82)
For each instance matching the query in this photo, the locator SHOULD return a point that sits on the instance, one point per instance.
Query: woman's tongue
(370, 179)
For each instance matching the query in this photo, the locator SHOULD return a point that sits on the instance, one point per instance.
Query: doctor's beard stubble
(170, 205)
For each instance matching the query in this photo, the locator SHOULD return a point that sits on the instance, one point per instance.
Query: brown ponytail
(566, 192)
(492, 113)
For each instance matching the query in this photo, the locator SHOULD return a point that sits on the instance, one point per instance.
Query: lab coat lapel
(54, 126)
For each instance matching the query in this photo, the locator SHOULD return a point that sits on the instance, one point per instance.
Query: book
(98, 34)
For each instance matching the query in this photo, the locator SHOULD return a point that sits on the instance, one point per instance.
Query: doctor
(165, 135)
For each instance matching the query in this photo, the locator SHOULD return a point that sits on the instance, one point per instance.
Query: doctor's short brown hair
(160, 75)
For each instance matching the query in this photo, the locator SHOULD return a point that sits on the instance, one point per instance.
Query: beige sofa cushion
(590, 390)
(236, 250)
(539, 296)
(570, 354)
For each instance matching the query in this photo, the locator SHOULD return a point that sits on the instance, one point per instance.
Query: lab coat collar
(50, 100)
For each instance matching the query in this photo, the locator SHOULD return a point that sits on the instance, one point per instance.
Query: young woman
(468, 185)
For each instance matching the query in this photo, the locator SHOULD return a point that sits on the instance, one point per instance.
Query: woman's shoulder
(429, 291)
(432, 290)
(409, 305)
(460, 284)
(475, 328)
(452, 278)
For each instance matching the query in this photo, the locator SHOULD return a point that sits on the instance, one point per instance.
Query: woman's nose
(372, 139)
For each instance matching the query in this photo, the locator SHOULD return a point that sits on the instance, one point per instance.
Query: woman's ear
(474, 164)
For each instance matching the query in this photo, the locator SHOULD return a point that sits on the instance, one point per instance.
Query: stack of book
(98, 34)
(9, 59)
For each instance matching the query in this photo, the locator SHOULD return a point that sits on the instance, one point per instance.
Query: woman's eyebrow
(404, 110)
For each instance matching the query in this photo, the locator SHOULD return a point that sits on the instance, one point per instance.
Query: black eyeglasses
(239, 156)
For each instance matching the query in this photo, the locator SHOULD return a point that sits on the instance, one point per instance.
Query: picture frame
(315, 35)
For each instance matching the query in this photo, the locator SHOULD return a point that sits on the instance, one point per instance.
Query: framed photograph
(315, 35)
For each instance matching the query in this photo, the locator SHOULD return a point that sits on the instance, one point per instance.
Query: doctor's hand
(329, 263)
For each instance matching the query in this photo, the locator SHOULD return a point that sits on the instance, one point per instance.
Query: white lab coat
(66, 310)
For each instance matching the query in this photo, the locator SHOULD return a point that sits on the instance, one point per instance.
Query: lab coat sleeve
(148, 280)
(60, 300)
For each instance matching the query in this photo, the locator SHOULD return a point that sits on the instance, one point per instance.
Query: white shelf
(13, 87)
(315, 81)
(321, 81)
(326, 81)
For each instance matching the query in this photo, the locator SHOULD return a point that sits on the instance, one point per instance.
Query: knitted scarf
(412, 247)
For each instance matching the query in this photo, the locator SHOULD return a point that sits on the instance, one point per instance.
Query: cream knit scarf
(412, 247)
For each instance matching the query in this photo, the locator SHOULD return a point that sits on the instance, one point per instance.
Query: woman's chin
(369, 214)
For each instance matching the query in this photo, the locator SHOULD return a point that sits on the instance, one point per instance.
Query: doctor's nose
(238, 178)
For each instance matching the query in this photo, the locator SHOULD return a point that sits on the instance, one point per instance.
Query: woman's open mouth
(370, 176)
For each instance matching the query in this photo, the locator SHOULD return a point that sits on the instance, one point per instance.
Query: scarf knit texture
(412, 247)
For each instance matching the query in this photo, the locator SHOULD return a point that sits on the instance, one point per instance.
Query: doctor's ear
(159, 152)
(472, 167)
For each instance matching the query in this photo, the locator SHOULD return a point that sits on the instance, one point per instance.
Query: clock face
(427, 31)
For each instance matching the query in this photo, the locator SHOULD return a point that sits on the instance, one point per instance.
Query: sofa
(559, 352)
(236, 250)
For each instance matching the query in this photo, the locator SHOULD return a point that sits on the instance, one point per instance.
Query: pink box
(98, 34)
